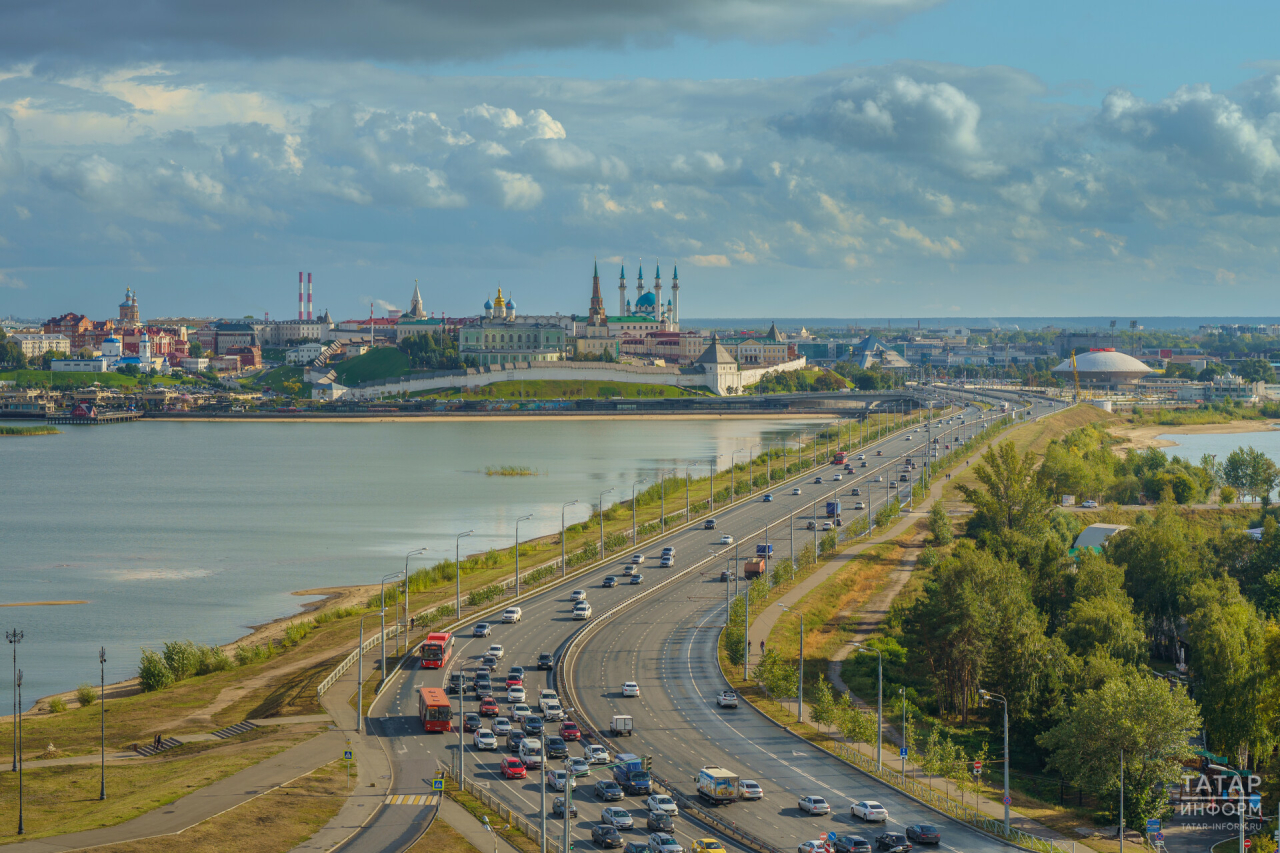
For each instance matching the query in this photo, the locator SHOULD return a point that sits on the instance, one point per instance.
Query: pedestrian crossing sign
(346, 755)
(437, 784)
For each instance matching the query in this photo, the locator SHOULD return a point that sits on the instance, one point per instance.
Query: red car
(489, 707)
(569, 730)
(512, 768)
(513, 679)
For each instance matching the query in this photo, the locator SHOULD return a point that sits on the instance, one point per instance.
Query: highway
(668, 645)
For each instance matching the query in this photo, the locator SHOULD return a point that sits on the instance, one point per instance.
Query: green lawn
(555, 389)
(380, 363)
(79, 380)
(276, 377)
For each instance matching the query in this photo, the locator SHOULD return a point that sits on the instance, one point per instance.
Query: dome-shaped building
(1102, 367)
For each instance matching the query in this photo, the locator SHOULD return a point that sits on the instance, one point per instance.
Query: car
(1089, 505)
(852, 844)
(893, 841)
(662, 803)
(877, 479)
(557, 808)
(488, 663)
(520, 711)
(617, 817)
(512, 614)
(578, 766)
(630, 690)
(709, 524)
(749, 789)
(489, 707)
(557, 779)
(513, 679)
(609, 581)
(818, 845)
(472, 722)
(924, 833)
(727, 699)
(457, 682)
(484, 739)
(707, 845)
(827, 525)
(513, 740)
(662, 842)
(659, 822)
(582, 610)
(636, 847)
(481, 629)
(879, 453)
(556, 747)
(603, 835)
(569, 730)
(814, 805)
(837, 476)
(515, 693)
(861, 456)
(669, 551)
(501, 726)
(547, 695)
(628, 570)
(636, 580)
(855, 492)
(817, 481)
(868, 810)
(637, 559)
(726, 539)
(597, 754)
(607, 791)
(767, 499)
(553, 712)
(513, 768)
(859, 505)
(546, 660)
(863, 464)
(496, 651)
(533, 726)
(483, 688)
(892, 484)
(795, 491)
(908, 436)
(812, 525)
(666, 562)
(724, 575)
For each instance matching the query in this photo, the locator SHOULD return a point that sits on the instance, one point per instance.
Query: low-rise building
(304, 353)
(96, 364)
(36, 345)
(501, 337)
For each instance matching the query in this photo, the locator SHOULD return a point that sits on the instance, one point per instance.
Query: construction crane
(1075, 374)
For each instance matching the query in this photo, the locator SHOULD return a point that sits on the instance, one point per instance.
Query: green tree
(194, 350)
(1105, 624)
(1255, 370)
(1011, 498)
(822, 704)
(940, 525)
(1136, 713)
(855, 725)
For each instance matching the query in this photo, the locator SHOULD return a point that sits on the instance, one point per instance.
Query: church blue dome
(488, 305)
(646, 300)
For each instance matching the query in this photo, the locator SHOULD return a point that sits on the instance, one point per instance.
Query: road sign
(346, 755)
(902, 752)
(1159, 836)
(1153, 824)
(437, 784)
(1007, 801)
(831, 836)
(977, 765)
(1248, 842)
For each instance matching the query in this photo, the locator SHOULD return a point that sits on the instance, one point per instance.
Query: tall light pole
(662, 492)
(518, 520)
(986, 694)
(17, 687)
(602, 494)
(14, 637)
(688, 513)
(1220, 769)
(879, 699)
(751, 458)
(712, 481)
(383, 613)
(564, 562)
(800, 679)
(902, 691)
(633, 507)
(568, 802)
(360, 678)
(102, 719)
(457, 573)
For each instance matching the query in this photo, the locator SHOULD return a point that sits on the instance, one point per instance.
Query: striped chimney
(308, 296)
(299, 295)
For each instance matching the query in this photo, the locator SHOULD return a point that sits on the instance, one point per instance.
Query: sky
(844, 158)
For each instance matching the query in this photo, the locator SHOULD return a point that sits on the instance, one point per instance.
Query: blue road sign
(902, 752)
(1159, 836)
(346, 755)
(831, 836)
(1153, 824)
(437, 784)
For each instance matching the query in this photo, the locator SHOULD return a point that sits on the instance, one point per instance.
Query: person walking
(762, 647)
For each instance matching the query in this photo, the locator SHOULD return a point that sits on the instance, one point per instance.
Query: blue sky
(874, 157)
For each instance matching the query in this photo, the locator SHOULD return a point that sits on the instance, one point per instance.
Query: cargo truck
(753, 568)
(833, 509)
(622, 724)
(631, 775)
(717, 785)
(765, 551)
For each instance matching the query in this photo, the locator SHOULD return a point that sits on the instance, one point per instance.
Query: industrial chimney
(299, 295)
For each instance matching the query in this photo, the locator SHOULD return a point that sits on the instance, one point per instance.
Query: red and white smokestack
(308, 296)
(299, 295)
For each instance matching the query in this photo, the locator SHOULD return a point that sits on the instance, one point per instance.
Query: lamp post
(457, 570)
(14, 637)
(633, 507)
(17, 686)
(712, 482)
(360, 678)
(800, 679)
(102, 719)
(564, 563)
(879, 699)
(688, 513)
(406, 596)
(986, 694)
(526, 518)
(462, 724)
(602, 494)
(902, 691)
(383, 613)
(1219, 768)
(568, 801)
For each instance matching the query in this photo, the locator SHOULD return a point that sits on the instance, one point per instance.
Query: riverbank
(451, 417)
(1148, 435)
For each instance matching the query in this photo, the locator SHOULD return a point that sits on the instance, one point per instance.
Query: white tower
(144, 349)
(622, 292)
(675, 294)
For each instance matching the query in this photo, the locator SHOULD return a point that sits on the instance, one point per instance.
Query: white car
(519, 712)
(662, 803)
(597, 754)
(795, 491)
(726, 539)
(861, 456)
(877, 479)
(582, 610)
(814, 806)
(515, 693)
(837, 476)
(577, 766)
(859, 505)
(1089, 505)
(868, 810)
(547, 696)
(750, 790)
(727, 699)
(630, 690)
(908, 437)
(552, 711)
(496, 650)
(617, 817)
(484, 739)
(637, 559)
(578, 595)
(512, 614)
(817, 846)
(557, 779)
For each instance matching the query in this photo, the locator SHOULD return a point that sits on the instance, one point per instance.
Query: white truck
(622, 724)
(717, 785)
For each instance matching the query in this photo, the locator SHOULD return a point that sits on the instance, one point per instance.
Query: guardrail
(393, 631)
(503, 811)
(729, 829)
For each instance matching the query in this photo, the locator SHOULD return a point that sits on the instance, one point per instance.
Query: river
(173, 530)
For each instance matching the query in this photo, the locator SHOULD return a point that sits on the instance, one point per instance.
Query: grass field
(558, 389)
(109, 379)
(442, 838)
(277, 376)
(379, 363)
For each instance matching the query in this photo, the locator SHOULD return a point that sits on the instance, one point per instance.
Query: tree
(194, 350)
(854, 724)
(1255, 370)
(778, 677)
(46, 360)
(1142, 715)
(822, 704)
(940, 525)
(1012, 498)
(1105, 624)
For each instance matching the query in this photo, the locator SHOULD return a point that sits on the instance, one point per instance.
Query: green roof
(633, 318)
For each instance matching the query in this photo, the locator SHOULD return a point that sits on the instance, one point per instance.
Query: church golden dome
(498, 302)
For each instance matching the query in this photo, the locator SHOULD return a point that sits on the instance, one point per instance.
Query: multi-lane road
(667, 643)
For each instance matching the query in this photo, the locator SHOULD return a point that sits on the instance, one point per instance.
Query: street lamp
(14, 637)
(688, 514)
(17, 687)
(984, 695)
(564, 562)
(800, 679)
(568, 800)
(633, 507)
(602, 494)
(360, 678)
(406, 596)
(662, 492)
(457, 573)
(1218, 767)
(383, 613)
(518, 520)
(102, 718)
(879, 698)
(751, 458)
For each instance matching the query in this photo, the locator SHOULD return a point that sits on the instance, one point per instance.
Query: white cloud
(8, 281)
(519, 192)
(709, 260)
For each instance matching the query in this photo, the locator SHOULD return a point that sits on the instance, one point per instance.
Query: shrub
(929, 558)
(182, 658)
(297, 632)
(212, 659)
(783, 571)
(940, 525)
(1227, 495)
(57, 705)
(153, 672)
(477, 597)
(86, 694)
(246, 655)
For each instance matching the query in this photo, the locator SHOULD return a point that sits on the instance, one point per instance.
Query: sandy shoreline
(1142, 437)
(441, 417)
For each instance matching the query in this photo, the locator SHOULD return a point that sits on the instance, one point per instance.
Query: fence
(502, 810)
(349, 661)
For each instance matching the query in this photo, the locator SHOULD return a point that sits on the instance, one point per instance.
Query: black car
(546, 660)
(610, 580)
(662, 822)
(924, 833)
(556, 747)
(603, 835)
(724, 575)
(636, 847)
(488, 663)
(533, 726)
(608, 791)
(513, 740)
(557, 808)
(852, 844)
(472, 722)
(893, 841)
(456, 682)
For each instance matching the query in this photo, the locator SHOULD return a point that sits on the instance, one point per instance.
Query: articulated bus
(436, 649)
(434, 710)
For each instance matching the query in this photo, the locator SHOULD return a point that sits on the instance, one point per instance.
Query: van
(531, 752)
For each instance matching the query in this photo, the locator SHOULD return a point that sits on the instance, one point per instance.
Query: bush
(86, 694)
(246, 655)
(182, 658)
(57, 705)
(783, 571)
(297, 632)
(212, 659)
(929, 558)
(477, 597)
(1227, 495)
(153, 673)
(940, 525)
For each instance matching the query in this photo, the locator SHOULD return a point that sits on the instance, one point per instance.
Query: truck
(764, 551)
(753, 568)
(622, 724)
(631, 775)
(833, 509)
(717, 785)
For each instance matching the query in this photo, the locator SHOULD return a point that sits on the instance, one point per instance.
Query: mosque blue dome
(646, 300)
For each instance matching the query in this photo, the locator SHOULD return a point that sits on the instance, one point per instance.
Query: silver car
(661, 842)
(618, 818)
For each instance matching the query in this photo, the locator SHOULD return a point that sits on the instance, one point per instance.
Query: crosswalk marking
(412, 799)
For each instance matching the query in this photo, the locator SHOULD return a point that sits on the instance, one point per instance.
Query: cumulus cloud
(8, 281)
(519, 192)
(709, 260)
(10, 159)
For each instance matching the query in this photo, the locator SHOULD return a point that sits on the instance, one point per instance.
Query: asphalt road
(639, 645)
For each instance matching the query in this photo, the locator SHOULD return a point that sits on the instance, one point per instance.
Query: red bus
(436, 650)
(841, 456)
(434, 710)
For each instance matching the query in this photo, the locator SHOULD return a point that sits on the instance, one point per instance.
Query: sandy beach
(503, 416)
(1142, 437)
